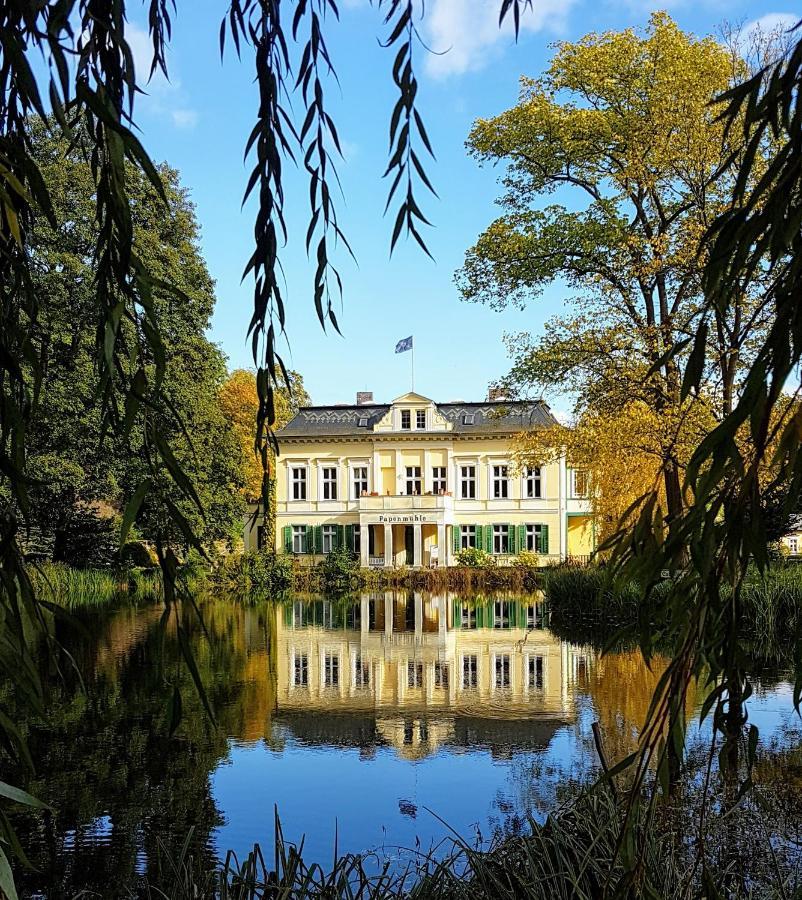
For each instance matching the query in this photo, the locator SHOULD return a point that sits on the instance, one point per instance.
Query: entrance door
(409, 545)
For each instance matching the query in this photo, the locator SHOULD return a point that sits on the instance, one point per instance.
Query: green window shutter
(310, 540)
(338, 537)
(456, 534)
(318, 539)
(489, 538)
(287, 532)
(349, 537)
(480, 537)
(511, 538)
(521, 538)
(480, 614)
(520, 608)
(457, 610)
(544, 538)
(288, 614)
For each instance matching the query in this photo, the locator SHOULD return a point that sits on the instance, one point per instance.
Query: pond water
(385, 719)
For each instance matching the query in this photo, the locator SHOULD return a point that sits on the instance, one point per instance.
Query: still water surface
(386, 719)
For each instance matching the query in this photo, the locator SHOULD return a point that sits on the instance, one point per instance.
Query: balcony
(407, 502)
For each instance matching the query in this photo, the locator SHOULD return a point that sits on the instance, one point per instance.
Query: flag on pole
(403, 345)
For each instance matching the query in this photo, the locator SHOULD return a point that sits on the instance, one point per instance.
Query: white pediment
(410, 403)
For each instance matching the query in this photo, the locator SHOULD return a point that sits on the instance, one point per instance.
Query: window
(298, 482)
(501, 482)
(534, 538)
(535, 674)
(414, 674)
(363, 422)
(533, 482)
(531, 617)
(406, 419)
(441, 675)
(357, 539)
(467, 482)
(300, 673)
(360, 481)
(468, 418)
(329, 482)
(468, 617)
(467, 536)
(439, 482)
(580, 483)
(329, 538)
(793, 544)
(361, 672)
(413, 479)
(501, 539)
(299, 539)
(470, 670)
(503, 670)
(420, 419)
(331, 670)
(501, 614)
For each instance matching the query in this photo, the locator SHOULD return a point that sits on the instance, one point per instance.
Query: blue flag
(404, 345)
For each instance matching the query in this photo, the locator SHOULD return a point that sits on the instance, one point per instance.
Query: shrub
(474, 558)
(261, 575)
(340, 570)
(137, 555)
(526, 559)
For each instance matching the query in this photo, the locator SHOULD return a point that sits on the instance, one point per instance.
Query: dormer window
(420, 419)
(468, 418)
(406, 419)
(363, 422)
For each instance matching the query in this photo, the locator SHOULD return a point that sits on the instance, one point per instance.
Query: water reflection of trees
(118, 784)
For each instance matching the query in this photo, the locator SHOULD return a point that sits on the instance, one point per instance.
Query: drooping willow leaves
(69, 62)
(755, 450)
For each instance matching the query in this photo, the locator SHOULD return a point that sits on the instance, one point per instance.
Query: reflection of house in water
(419, 671)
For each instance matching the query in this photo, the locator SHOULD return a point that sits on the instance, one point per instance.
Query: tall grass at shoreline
(70, 587)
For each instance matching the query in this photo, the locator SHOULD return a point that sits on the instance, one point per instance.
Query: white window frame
(418, 414)
(292, 468)
(328, 537)
(793, 544)
(506, 670)
(501, 540)
(357, 542)
(407, 413)
(439, 479)
(533, 483)
(297, 669)
(468, 619)
(575, 495)
(357, 482)
(410, 478)
(468, 479)
(534, 538)
(502, 612)
(299, 542)
(441, 675)
(474, 671)
(414, 674)
(330, 669)
(467, 537)
(531, 661)
(327, 481)
(499, 483)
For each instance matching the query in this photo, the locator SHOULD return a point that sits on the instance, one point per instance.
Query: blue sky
(199, 121)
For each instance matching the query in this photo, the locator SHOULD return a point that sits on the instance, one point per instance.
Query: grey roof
(499, 417)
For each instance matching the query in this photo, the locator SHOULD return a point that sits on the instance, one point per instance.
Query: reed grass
(73, 588)
(575, 854)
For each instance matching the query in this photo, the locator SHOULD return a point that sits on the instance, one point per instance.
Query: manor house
(413, 482)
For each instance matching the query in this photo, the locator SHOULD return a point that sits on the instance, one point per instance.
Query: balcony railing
(397, 502)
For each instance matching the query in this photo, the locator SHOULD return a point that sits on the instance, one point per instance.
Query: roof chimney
(495, 394)
(364, 397)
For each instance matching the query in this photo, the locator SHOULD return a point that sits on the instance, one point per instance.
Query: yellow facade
(424, 670)
(413, 482)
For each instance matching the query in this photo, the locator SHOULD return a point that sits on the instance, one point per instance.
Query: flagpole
(413, 365)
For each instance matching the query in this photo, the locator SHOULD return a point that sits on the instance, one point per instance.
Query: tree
(65, 431)
(622, 129)
(239, 400)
